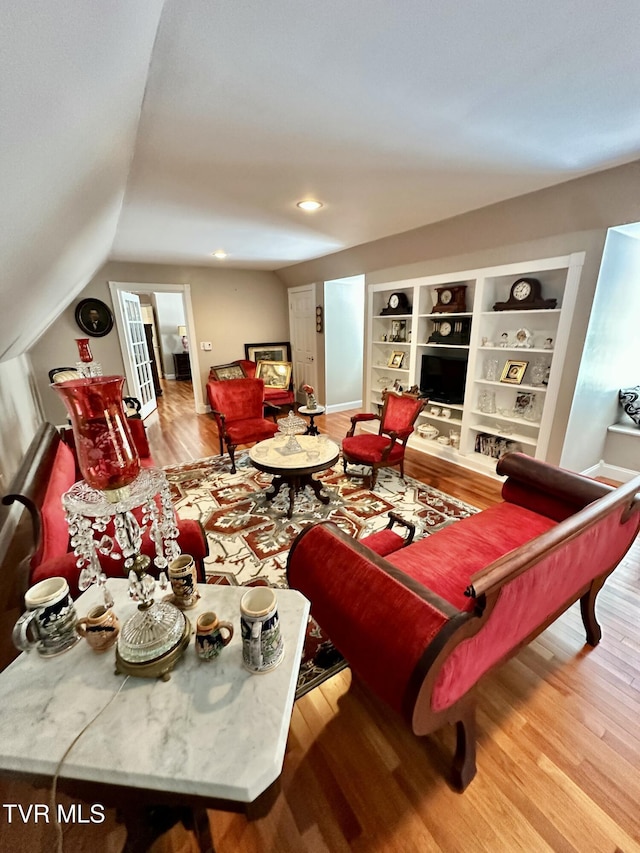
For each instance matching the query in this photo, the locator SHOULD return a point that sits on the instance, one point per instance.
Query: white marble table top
(317, 450)
(305, 410)
(213, 730)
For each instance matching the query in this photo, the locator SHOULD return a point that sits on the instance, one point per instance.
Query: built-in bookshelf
(484, 412)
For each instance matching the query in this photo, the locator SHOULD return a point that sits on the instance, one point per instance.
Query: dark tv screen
(442, 378)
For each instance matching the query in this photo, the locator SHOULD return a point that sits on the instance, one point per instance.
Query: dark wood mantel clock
(398, 304)
(452, 299)
(525, 295)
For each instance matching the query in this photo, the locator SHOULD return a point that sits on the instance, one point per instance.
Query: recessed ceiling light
(220, 254)
(309, 204)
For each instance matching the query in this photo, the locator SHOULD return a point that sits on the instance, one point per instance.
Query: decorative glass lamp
(106, 453)
(153, 639)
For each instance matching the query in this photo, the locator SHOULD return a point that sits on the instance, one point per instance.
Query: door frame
(185, 290)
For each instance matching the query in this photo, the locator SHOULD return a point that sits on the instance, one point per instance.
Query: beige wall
(230, 307)
(595, 202)
(569, 217)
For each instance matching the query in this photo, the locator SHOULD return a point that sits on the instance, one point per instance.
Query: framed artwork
(268, 352)
(94, 317)
(398, 331)
(274, 374)
(513, 372)
(395, 359)
(220, 372)
(522, 403)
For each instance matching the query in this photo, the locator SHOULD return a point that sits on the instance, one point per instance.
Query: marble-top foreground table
(316, 453)
(213, 730)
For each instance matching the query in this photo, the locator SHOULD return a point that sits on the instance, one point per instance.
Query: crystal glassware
(107, 455)
(84, 350)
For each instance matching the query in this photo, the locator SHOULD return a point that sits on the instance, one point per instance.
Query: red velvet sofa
(48, 470)
(422, 625)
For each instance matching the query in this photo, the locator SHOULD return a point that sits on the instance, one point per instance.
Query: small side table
(182, 365)
(312, 429)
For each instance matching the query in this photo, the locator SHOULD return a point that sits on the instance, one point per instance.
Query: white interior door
(302, 324)
(137, 364)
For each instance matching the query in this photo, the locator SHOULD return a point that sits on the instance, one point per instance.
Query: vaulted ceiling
(164, 131)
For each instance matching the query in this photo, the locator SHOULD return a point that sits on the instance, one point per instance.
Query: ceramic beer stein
(262, 643)
(49, 623)
(100, 628)
(212, 636)
(184, 582)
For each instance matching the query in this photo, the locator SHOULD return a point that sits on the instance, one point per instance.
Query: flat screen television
(443, 377)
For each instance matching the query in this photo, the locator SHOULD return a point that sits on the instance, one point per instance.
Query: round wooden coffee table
(295, 470)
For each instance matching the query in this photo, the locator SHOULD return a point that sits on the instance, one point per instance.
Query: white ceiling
(394, 113)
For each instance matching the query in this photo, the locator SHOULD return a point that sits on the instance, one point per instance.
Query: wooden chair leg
(464, 762)
(232, 455)
(588, 612)
(373, 477)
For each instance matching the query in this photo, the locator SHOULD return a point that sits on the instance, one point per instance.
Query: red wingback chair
(274, 396)
(387, 448)
(237, 405)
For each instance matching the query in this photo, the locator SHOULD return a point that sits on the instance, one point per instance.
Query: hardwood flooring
(558, 727)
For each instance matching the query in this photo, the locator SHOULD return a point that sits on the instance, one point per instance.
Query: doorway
(344, 342)
(183, 290)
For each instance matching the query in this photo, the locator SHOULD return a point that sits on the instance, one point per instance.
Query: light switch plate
(205, 345)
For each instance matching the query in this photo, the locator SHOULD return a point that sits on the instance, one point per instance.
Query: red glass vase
(107, 455)
(84, 350)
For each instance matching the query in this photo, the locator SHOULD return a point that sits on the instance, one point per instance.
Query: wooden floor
(558, 728)
(558, 739)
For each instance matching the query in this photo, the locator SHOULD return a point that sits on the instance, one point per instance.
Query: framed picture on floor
(220, 372)
(274, 374)
(268, 352)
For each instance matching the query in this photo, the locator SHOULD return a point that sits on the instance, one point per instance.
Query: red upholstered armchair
(237, 405)
(387, 448)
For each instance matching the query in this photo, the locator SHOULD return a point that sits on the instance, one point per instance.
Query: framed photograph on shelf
(513, 372)
(398, 331)
(220, 372)
(268, 352)
(396, 359)
(523, 401)
(274, 374)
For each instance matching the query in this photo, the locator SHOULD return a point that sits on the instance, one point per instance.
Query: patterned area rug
(249, 536)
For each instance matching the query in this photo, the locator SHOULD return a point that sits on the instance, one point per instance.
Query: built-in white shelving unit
(524, 412)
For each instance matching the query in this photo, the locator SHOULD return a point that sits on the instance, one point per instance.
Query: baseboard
(342, 407)
(611, 472)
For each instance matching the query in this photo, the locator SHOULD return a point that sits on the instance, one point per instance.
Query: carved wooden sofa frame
(434, 651)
